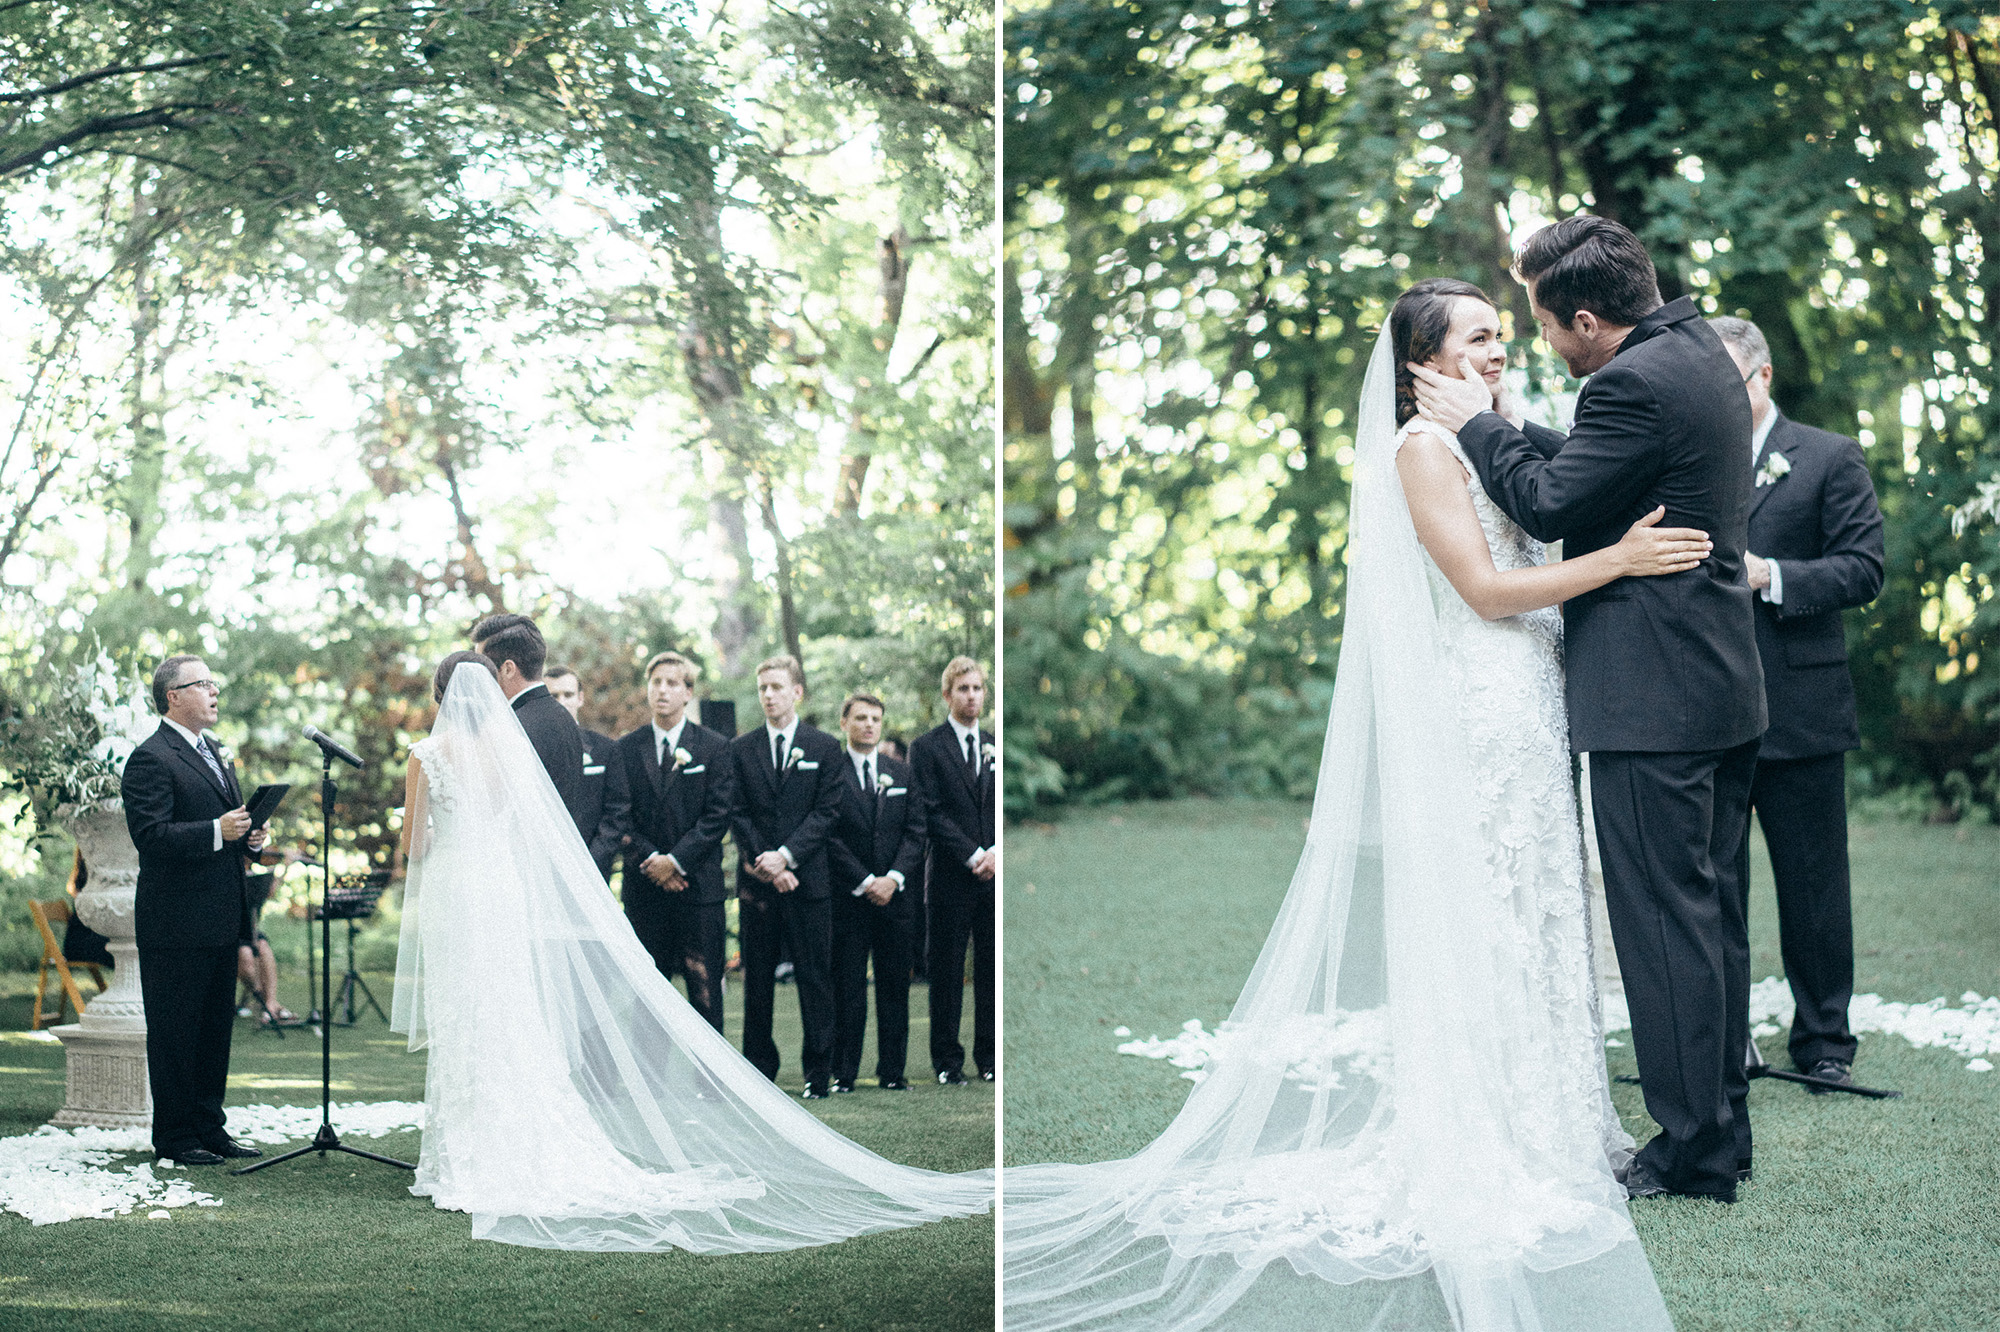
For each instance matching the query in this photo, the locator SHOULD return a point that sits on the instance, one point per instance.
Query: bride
(1406, 1121)
(573, 1099)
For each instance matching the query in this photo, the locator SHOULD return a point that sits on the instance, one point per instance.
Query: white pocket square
(592, 772)
(808, 766)
(699, 767)
(895, 790)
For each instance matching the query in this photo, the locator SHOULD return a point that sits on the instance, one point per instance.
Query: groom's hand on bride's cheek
(1447, 401)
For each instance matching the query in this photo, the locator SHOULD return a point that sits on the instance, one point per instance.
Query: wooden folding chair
(47, 916)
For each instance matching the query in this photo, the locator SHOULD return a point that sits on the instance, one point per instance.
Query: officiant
(185, 811)
(1815, 551)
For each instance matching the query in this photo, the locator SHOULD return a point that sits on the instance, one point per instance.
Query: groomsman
(954, 771)
(877, 853)
(788, 786)
(184, 810)
(514, 645)
(683, 789)
(606, 804)
(1816, 543)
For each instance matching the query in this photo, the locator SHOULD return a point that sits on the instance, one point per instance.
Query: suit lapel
(1758, 494)
(193, 761)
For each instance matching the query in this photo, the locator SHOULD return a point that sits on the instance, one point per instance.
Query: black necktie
(971, 755)
(778, 751)
(868, 775)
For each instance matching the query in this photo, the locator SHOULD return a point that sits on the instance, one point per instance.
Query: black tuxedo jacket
(190, 895)
(1819, 521)
(1667, 664)
(558, 742)
(605, 804)
(959, 813)
(877, 831)
(682, 813)
(795, 809)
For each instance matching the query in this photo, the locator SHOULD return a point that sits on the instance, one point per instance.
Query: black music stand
(326, 1140)
(353, 899)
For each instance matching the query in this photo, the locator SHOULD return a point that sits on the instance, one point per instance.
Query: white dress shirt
(664, 745)
(862, 762)
(961, 730)
(771, 734)
(194, 743)
(1775, 593)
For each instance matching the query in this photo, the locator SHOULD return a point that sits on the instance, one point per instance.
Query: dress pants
(1671, 829)
(961, 908)
(859, 929)
(687, 939)
(190, 1000)
(1802, 806)
(765, 920)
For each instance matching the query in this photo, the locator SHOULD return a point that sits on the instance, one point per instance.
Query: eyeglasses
(1753, 372)
(209, 686)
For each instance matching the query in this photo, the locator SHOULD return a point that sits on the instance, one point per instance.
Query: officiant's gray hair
(1743, 338)
(163, 679)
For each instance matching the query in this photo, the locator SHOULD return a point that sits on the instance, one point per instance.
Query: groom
(515, 647)
(1665, 690)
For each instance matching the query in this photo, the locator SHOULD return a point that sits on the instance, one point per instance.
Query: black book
(264, 803)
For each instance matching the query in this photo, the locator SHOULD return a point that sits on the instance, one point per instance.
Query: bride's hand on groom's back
(1648, 550)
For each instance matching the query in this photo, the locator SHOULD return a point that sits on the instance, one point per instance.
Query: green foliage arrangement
(64, 743)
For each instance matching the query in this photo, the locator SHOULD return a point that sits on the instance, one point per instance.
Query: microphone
(332, 747)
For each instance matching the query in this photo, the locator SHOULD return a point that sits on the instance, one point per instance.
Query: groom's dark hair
(1589, 263)
(512, 638)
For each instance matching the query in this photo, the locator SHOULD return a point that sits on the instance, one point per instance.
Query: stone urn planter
(106, 1082)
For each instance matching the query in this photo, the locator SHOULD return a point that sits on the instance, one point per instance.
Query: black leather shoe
(195, 1156)
(951, 1077)
(815, 1091)
(842, 1086)
(987, 1076)
(1640, 1182)
(1830, 1070)
(233, 1149)
(894, 1084)
(1743, 1170)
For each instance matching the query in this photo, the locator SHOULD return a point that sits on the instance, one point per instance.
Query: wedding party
(1048, 665)
(1480, 657)
(499, 577)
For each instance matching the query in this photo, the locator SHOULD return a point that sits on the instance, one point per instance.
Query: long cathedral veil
(1360, 1153)
(575, 1100)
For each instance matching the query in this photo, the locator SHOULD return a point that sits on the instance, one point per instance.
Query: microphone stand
(326, 1140)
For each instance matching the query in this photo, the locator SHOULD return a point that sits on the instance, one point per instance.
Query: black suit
(558, 742)
(1667, 696)
(959, 816)
(191, 915)
(1820, 524)
(606, 800)
(881, 828)
(682, 811)
(795, 810)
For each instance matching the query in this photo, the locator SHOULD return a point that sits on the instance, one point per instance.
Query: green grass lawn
(1864, 1215)
(338, 1243)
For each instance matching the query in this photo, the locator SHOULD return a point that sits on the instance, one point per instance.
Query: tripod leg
(369, 996)
(385, 1160)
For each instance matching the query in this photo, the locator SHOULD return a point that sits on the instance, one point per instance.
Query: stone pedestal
(106, 1085)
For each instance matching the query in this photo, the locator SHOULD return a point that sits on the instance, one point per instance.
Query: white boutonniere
(986, 752)
(793, 757)
(1775, 466)
(883, 781)
(681, 759)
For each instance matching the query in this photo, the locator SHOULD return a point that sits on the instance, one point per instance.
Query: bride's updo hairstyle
(452, 663)
(1419, 322)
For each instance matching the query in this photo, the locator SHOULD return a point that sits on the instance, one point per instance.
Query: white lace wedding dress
(1406, 1123)
(572, 1098)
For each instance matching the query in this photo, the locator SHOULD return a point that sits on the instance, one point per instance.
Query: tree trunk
(892, 263)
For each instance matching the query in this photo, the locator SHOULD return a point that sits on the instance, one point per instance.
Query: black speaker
(719, 715)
